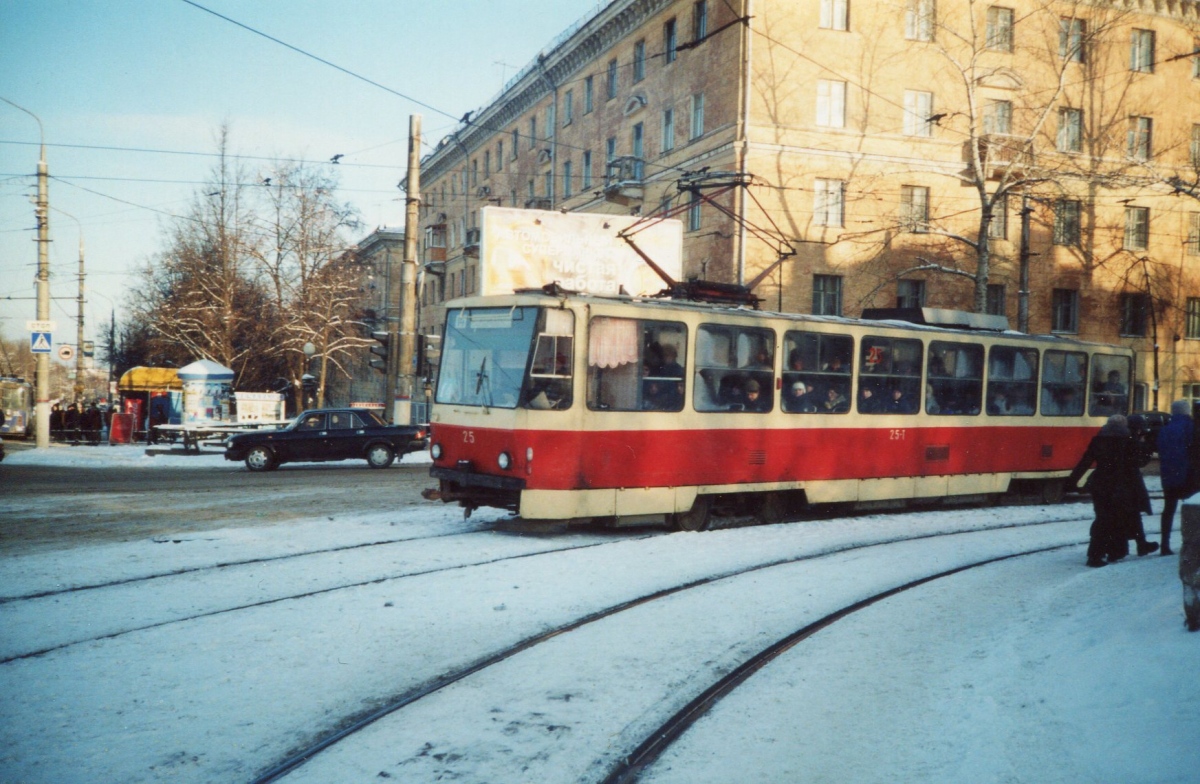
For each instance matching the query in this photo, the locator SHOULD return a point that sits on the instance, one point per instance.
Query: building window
(610, 149)
(1071, 33)
(670, 42)
(475, 172)
(835, 14)
(997, 300)
(998, 227)
(589, 94)
(829, 203)
(568, 107)
(587, 169)
(918, 108)
(919, 17)
(664, 204)
(699, 20)
(668, 130)
(639, 61)
(997, 117)
(827, 295)
(693, 213)
(532, 193)
(1193, 318)
(1140, 130)
(1134, 309)
(1193, 236)
(1070, 130)
(566, 174)
(548, 177)
(1196, 59)
(1064, 310)
(500, 155)
(639, 147)
(1137, 228)
(697, 116)
(1141, 51)
(1066, 222)
(610, 84)
(516, 138)
(1194, 148)
(550, 113)
(532, 132)
(831, 104)
(910, 293)
(1000, 29)
(914, 208)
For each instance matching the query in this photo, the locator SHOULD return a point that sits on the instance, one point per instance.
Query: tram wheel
(696, 518)
(1052, 491)
(773, 508)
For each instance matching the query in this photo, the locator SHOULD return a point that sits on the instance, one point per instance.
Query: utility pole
(408, 276)
(1023, 292)
(42, 393)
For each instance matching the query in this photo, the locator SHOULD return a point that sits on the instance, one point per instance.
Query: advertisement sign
(580, 251)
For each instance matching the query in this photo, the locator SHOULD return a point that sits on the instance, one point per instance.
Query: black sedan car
(327, 434)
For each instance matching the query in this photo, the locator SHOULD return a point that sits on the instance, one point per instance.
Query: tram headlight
(504, 461)
(436, 451)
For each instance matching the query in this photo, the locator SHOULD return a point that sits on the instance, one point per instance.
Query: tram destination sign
(580, 251)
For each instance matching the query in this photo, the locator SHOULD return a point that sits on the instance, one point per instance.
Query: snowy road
(215, 657)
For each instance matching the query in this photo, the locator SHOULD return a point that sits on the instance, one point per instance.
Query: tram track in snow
(290, 596)
(630, 767)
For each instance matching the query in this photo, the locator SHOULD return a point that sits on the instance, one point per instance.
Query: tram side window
(816, 378)
(1064, 375)
(1012, 381)
(735, 369)
(549, 384)
(954, 379)
(636, 365)
(889, 380)
(1110, 385)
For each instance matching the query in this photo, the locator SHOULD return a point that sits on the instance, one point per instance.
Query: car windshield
(372, 419)
(484, 356)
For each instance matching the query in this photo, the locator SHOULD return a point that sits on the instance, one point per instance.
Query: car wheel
(260, 459)
(380, 456)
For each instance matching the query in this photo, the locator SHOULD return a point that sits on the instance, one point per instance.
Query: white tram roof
(955, 320)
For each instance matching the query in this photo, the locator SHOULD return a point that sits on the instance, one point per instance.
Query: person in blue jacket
(1174, 442)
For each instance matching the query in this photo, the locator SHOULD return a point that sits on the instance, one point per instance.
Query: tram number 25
(896, 435)
(468, 436)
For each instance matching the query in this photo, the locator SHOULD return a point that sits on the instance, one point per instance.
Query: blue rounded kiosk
(207, 393)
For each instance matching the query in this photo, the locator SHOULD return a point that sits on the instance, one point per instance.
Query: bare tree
(301, 261)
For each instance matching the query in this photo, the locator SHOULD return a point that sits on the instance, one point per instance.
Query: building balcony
(1002, 155)
(623, 182)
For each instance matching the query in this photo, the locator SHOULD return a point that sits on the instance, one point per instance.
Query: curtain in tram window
(612, 342)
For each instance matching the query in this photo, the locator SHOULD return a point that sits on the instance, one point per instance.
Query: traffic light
(382, 350)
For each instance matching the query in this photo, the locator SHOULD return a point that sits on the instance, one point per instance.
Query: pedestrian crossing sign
(40, 342)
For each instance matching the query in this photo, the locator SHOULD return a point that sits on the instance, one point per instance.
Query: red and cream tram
(574, 407)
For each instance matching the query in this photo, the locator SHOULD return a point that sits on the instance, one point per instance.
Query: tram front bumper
(472, 489)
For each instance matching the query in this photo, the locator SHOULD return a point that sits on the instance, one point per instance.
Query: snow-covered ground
(138, 456)
(1032, 669)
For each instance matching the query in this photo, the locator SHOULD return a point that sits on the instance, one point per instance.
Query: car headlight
(504, 461)
(436, 451)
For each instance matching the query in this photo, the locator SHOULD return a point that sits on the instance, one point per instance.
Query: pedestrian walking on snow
(1118, 492)
(1174, 444)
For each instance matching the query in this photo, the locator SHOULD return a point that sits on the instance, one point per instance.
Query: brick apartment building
(882, 140)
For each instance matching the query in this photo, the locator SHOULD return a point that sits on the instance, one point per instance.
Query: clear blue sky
(163, 75)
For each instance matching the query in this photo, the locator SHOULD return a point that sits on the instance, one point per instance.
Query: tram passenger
(795, 360)
(901, 403)
(835, 365)
(755, 400)
(998, 405)
(868, 401)
(931, 402)
(835, 401)
(798, 399)
(1119, 496)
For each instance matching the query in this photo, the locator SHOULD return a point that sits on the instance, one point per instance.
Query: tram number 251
(468, 436)
(896, 435)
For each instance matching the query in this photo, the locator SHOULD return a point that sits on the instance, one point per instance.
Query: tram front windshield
(484, 356)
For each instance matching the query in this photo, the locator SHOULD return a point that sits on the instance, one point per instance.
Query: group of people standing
(1119, 495)
(76, 424)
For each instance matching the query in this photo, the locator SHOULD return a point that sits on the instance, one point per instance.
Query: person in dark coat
(93, 423)
(1174, 441)
(56, 422)
(1119, 495)
(71, 423)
